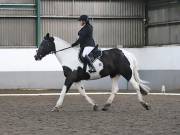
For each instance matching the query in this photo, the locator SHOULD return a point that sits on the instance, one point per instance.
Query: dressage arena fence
(116, 24)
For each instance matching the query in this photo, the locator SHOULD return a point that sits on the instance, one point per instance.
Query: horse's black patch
(46, 47)
(115, 63)
(74, 76)
(82, 74)
(143, 92)
(67, 71)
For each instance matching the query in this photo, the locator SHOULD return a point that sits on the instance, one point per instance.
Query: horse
(113, 62)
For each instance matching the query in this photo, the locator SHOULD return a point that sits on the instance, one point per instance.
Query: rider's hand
(74, 44)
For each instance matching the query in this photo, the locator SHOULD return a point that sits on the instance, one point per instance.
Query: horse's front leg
(60, 100)
(67, 85)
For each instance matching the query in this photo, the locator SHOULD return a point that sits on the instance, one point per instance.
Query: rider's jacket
(85, 37)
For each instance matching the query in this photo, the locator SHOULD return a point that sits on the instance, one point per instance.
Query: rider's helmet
(84, 18)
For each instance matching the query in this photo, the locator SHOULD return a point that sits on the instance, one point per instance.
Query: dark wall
(163, 22)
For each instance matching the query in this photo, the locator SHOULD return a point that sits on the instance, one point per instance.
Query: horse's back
(115, 62)
(116, 56)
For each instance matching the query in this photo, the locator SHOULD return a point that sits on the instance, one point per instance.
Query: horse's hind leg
(82, 91)
(114, 90)
(136, 85)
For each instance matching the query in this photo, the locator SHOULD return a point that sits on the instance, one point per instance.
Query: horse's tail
(144, 89)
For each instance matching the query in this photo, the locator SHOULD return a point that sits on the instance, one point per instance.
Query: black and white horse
(113, 62)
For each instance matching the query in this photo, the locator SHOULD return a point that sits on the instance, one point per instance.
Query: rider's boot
(84, 66)
(91, 66)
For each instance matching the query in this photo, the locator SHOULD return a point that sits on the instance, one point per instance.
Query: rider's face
(82, 23)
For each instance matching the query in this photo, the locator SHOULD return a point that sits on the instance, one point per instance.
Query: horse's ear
(51, 39)
(47, 36)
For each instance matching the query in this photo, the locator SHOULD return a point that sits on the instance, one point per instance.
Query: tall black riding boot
(91, 67)
(84, 66)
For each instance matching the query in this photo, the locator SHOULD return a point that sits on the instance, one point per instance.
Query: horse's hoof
(95, 107)
(55, 109)
(146, 106)
(106, 107)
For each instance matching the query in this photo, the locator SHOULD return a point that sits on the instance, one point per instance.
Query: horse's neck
(60, 44)
(68, 57)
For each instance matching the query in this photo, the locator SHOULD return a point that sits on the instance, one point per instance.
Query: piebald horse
(113, 62)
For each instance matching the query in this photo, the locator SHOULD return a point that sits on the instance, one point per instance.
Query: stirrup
(92, 71)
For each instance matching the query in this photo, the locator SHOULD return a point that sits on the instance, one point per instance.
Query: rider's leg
(84, 66)
(85, 53)
(91, 66)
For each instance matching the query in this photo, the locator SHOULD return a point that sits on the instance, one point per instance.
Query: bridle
(58, 50)
(52, 52)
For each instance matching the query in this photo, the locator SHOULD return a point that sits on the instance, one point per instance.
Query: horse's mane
(62, 41)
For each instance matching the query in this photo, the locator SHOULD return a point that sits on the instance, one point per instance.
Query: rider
(86, 42)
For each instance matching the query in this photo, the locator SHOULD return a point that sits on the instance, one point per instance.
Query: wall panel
(164, 22)
(17, 32)
(116, 23)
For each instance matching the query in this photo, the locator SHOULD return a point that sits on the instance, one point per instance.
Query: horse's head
(46, 47)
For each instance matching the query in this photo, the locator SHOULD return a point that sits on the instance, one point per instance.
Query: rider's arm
(82, 34)
(74, 44)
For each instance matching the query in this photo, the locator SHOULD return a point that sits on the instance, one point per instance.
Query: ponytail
(87, 22)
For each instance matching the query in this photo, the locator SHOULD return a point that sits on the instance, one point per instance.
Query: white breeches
(87, 50)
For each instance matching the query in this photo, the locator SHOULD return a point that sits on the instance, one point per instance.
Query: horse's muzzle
(37, 58)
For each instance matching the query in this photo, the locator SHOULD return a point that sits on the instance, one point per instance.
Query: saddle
(96, 53)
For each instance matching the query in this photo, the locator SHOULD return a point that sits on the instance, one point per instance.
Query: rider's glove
(74, 44)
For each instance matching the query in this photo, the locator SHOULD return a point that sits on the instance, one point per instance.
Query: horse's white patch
(98, 66)
(70, 58)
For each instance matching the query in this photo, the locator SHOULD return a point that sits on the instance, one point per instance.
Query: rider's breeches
(87, 50)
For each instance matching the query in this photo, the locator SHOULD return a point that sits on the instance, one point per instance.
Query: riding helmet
(84, 18)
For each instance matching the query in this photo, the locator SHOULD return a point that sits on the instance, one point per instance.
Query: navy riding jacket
(85, 37)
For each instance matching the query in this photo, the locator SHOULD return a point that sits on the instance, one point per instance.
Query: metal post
(38, 22)
(146, 22)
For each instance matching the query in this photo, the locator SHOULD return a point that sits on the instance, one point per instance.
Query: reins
(63, 49)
